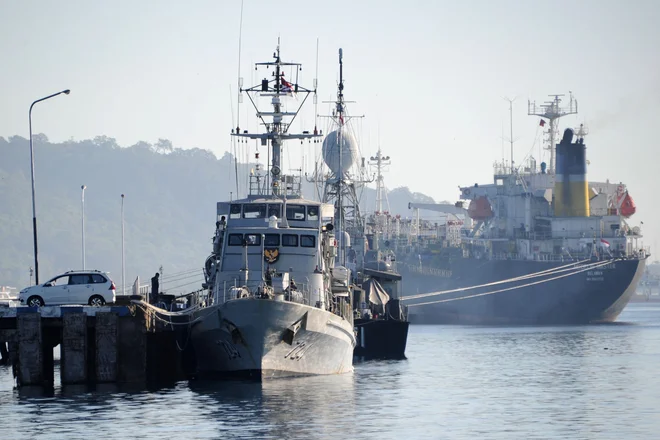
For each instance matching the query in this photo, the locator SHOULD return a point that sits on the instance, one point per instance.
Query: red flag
(341, 119)
(542, 123)
(287, 87)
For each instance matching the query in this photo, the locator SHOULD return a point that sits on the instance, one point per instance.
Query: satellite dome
(349, 150)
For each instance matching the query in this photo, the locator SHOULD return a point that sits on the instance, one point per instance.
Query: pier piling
(113, 344)
(74, 348)
(30, 363)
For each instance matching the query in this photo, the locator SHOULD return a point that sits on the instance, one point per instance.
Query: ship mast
(275, 122)
(340, 177)
(552, 111)
(379, 161)
(340, 186)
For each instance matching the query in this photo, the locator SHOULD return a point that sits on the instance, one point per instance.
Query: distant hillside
(169, 207)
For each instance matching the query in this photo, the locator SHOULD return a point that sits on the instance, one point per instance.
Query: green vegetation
(169, 208)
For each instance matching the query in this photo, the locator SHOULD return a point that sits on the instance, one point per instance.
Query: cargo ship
(540, 245)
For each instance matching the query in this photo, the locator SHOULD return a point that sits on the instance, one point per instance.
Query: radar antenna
(276, 124)
(552, 111)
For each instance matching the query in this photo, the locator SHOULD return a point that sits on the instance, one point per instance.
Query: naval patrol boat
(279, 305)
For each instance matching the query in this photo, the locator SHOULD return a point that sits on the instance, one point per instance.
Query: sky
(429, 77)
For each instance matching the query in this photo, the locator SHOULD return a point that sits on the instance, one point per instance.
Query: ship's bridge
(292, 213)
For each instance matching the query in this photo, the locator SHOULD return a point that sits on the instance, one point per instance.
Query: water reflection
(306, 407)
(458, 382)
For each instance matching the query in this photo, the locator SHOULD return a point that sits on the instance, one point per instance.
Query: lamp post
(82, 201)
(123, 270)
(34, 209)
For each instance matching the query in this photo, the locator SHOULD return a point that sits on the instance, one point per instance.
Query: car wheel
(35, 301)
(96, 301)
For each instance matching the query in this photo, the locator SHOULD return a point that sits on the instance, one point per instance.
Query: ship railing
(258, 289)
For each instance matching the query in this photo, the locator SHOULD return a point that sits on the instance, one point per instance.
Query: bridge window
(254, 211)
(295, 212)
(235, 240)
(235, 211)
(308, 241)
(312, 213)
(272, 240)
(290, 240)
(275, 210)
(253, 239)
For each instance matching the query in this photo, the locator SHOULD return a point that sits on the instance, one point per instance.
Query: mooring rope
(590, 267)
(546, 272)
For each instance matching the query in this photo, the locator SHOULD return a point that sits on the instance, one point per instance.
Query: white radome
(349, 151)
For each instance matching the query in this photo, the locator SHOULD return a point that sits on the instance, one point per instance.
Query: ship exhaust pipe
(571, 192)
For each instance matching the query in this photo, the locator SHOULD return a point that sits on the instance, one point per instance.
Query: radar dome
(349, 150)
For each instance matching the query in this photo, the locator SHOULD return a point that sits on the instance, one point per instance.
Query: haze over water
(459, 382)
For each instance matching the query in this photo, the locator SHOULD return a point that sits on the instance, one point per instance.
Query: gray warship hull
(261, 338)
(592, 296)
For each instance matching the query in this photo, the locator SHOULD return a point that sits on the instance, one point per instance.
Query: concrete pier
(106, 347)
(118, 344)
(74, 348)
(29, 362)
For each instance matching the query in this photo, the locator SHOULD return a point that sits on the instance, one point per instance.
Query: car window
(80, 279)
(98, 279)
(59, 281)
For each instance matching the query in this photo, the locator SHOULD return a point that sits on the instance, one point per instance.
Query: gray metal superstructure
(279, 306)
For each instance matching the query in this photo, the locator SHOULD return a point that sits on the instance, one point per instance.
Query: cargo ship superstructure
(539, 245)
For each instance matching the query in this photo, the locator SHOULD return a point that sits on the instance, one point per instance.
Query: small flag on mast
(542, 123)
(287, 87)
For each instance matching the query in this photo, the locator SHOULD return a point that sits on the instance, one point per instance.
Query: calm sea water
(459, 382)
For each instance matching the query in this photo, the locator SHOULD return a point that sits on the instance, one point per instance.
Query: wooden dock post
(106, 347)
(74, 348)
(30, 369)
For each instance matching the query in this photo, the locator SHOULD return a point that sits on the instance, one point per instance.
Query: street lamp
(82, 201)
(123, 270)
(34, 209)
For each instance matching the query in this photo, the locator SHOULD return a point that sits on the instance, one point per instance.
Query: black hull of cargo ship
(380, 339)
(592, 296)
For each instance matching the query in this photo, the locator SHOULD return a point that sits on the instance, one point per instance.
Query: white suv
(91, 287)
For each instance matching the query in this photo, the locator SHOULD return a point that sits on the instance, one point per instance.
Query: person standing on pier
(154, 288)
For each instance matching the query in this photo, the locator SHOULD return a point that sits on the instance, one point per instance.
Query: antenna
(511, 139)
(552, 111)
(233, 141)
(315, 84)
(240, 80)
